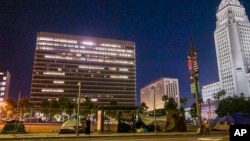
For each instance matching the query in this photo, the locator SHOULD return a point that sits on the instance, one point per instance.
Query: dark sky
(161, 30)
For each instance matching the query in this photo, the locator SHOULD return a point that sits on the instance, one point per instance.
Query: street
(135, 138)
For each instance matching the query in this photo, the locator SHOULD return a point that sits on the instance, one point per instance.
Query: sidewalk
(97, 135)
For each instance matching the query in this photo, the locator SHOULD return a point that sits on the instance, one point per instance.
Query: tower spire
(224, 3)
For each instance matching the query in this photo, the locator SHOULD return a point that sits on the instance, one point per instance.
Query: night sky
(161, 30)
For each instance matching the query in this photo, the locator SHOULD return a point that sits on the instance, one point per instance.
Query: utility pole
(194, 72)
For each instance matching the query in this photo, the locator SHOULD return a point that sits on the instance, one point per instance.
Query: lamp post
(78, 107)
(153, 87)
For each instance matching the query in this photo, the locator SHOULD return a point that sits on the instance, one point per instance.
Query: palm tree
(183, 102)
(219, 95)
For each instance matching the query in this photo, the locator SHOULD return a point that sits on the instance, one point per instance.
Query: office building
(208, 91)
(232, 42)
(157, 89)
(4, 86)
(106, 69)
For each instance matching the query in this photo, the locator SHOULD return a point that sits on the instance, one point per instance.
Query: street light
(78, 107)
(153, 87)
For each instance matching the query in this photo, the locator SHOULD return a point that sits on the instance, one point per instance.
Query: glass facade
(106, 69)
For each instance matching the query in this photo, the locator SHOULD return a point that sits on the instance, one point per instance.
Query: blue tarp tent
(223, 123)
(241, 118)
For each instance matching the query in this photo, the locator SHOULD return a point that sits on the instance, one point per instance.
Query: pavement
(98, 135)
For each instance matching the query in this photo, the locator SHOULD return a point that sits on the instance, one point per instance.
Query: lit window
(53, 90)
(58, 82)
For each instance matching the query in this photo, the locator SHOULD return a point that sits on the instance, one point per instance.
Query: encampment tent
(69, 127)
(223, 123)
(14, 126)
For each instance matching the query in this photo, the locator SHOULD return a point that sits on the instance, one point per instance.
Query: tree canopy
(235, 104)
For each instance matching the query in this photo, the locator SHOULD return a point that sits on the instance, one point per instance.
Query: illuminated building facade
(159, 88)
(232, 43)
(4, 86)
(105, 67)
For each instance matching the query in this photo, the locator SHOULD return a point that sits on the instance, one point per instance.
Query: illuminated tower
(232, 42)
(106, 69)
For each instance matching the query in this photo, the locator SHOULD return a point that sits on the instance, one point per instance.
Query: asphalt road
(134, 138)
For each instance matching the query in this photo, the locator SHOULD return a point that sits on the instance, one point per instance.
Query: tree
(193, 111)
(183, 102)
(87, 107)
(23, 106)
(50, 107)
(219, 95)
(235, 104)
(112, 113)
(8, 108)
(66, 105)
(169, 104)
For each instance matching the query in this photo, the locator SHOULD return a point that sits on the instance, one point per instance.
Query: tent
(14, 127)
(69, 127)
(223, 123)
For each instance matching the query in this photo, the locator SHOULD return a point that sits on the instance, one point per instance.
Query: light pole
(78, 107)
(153, 87)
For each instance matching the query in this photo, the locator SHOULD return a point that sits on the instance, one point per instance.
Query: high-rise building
(152, 93)
(106, 69)
(4, 86)
(232, 42)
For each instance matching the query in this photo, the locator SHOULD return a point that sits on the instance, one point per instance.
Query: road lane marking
(209, 139)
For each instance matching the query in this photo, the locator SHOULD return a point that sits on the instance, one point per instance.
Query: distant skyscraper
(105, 67)
(160, 87)
(232, 42)
(4, 85)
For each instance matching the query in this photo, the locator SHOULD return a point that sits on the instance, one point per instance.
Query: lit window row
(112, 49)
(90, 52)
(123, 69)
(56, 40)
(60, 45)
(75, 41)
(120, 69)
(89, 59)
(60, 57)
(99, 53)
(53, 90)
(53, 73)
(110, 45)
(3, 83)
(58, 82)
(119, 76)
(88, 43)
(91, 67)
